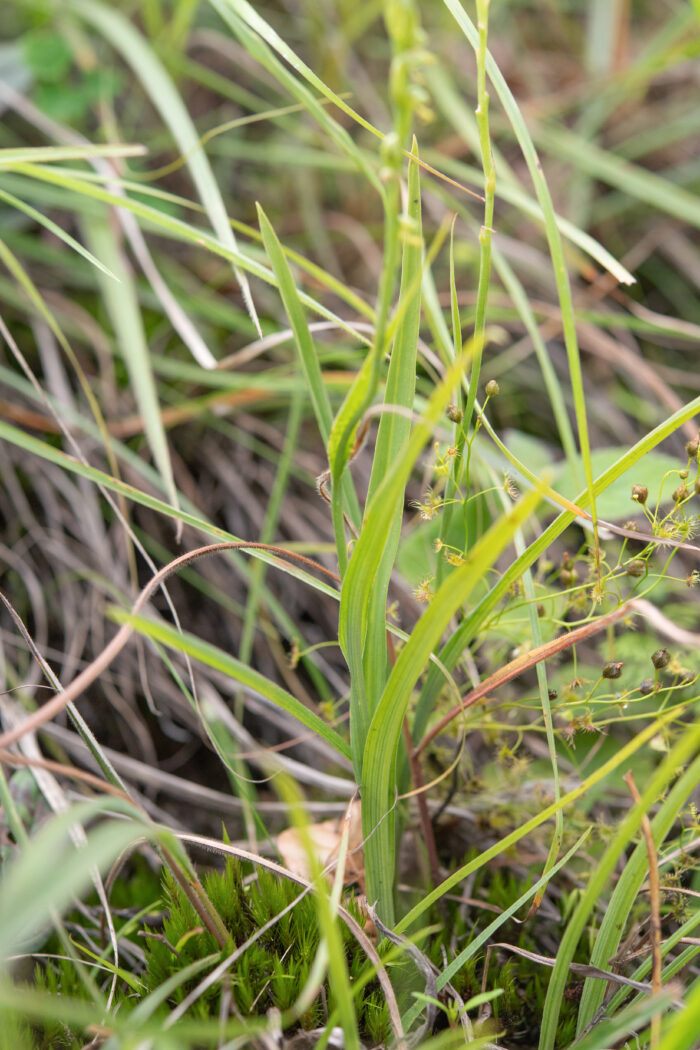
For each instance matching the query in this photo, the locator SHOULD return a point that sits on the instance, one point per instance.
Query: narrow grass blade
(74, 466)
(134, 49)
(326, 911)
(56, 230)
(240, 672)
(682, 1029)
(52, 154)
(684, 750)
(553, 238)
(182, 230)
(307, 354)
(252, 18)
(555, 393)
(125, 314)
(269, 526)
(622, 756)
(476, 944)
(509, 189)
(617, 912)
(600, 164)
(610, 1031)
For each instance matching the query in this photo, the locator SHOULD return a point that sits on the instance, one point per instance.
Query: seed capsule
(613, 669)
(640, 494)
(646, 687)
(492, 388)
(661, 658)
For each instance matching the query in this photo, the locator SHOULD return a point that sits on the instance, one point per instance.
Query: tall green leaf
(384, 734)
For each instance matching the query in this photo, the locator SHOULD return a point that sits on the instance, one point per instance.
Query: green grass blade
(611, 1031)
(509, 189)
(384, 734)
(28, 898)
(553, 238)
(477, 943)
(551, 380)
(252, 18)
(125, 314)
(600, 164)
(134, 49)
(182, 230)
(56, 230)
(308, 358)
(617, 912)
(622, 756)
(221, 661)
(260, 40)
(51, 154)
(684, 750)
(269, 527)
(681, 1031)
(53, 455)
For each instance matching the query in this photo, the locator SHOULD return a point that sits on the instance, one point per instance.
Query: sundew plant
(350, 466)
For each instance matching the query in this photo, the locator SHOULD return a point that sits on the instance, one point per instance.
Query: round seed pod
(661, 658)
(646, 687)
(612, 669)
(636, 568)
(492, 388)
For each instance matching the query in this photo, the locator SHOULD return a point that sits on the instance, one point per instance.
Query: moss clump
(274, 969)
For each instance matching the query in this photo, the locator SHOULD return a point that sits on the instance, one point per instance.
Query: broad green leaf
(384, 734)
(395, 428)
(617, 502)
(28, 897)
(367, 555)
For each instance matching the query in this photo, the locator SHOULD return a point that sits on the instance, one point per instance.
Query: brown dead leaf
(326, 837)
